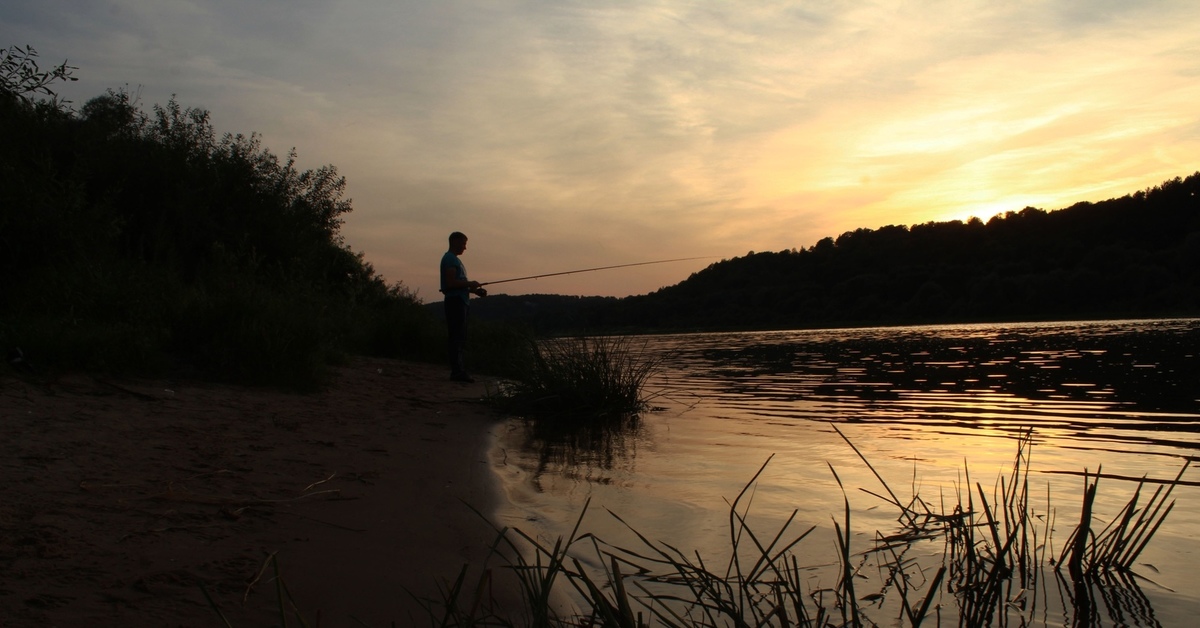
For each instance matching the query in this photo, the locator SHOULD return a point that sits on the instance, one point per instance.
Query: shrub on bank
(137, 242)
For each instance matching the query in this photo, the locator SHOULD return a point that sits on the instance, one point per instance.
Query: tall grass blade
(1079, 541)
(904, 512)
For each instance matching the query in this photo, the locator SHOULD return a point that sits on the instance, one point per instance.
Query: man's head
(458, 242)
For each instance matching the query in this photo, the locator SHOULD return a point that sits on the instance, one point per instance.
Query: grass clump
(580, 377)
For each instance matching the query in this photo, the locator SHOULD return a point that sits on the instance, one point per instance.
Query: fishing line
(588, 270)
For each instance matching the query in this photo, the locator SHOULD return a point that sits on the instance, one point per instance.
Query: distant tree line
(1134, 256)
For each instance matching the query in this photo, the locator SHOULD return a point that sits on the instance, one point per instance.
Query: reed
(582, 376)
(655, 583)
(1119, 544)
(990, 571)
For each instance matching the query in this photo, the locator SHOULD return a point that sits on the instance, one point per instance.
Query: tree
(20, 76)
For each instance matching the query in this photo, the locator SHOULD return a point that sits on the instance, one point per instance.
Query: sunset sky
(571, 134)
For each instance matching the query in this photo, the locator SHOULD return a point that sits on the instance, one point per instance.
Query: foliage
(136, 241)
(20, 76)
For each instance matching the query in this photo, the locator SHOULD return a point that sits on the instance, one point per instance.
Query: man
(458, 290)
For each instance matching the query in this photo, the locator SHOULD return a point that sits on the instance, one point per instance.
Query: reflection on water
(922, 403)
(578, 447)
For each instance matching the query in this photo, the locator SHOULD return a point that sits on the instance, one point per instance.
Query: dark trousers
(456, 326)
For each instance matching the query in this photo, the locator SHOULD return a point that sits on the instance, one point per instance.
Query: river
(922, 412)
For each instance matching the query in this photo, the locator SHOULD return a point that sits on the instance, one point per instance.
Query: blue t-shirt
(450, 260)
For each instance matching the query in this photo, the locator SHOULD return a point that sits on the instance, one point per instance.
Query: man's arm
(450, 275)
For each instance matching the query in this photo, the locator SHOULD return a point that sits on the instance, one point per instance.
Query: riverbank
(122, 498)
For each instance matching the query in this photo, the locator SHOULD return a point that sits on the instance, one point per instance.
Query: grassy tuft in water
(597, 376)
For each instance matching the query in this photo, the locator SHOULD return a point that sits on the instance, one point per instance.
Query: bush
(135, 242)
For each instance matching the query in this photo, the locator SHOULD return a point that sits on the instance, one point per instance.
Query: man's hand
(479, 292)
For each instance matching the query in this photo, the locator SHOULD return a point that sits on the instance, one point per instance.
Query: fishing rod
(588, 270)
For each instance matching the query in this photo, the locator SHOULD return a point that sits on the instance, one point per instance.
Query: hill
(1133, 256)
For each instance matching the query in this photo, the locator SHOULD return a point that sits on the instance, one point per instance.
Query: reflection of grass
(991, 570)
(592, 443)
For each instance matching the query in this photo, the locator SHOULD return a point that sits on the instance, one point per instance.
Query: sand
(121, 499)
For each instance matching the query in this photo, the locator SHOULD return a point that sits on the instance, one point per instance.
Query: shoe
(462, 377)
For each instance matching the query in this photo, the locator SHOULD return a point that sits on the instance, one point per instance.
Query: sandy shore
(121, 498)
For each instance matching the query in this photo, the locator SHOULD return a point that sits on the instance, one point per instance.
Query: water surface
(932, 409)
